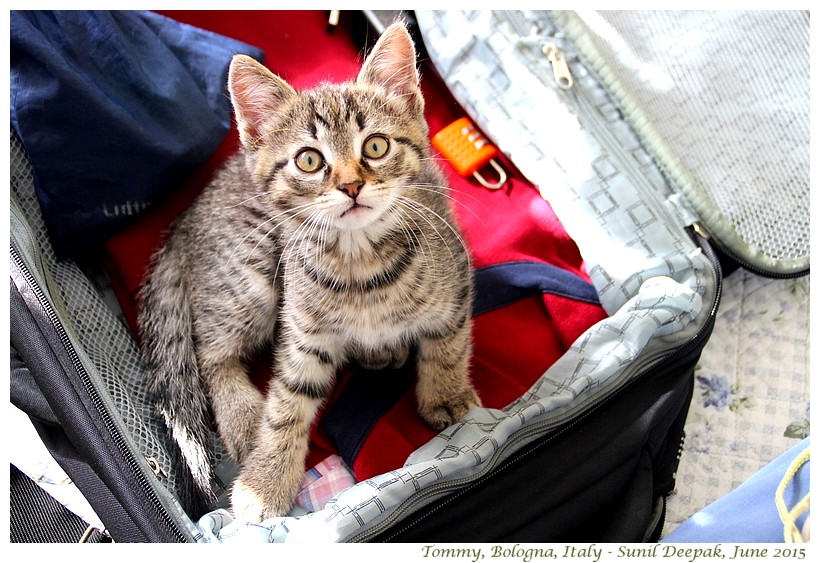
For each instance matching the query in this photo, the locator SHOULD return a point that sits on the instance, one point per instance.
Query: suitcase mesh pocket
(102, 340)
(722, 101)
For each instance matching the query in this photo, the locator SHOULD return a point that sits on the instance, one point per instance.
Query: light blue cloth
(749, 513)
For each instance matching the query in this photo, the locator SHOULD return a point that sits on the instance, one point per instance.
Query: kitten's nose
(351, 188)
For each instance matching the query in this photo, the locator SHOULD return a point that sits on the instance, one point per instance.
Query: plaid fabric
(323, 482)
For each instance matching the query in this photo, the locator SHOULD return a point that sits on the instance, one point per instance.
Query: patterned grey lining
(652, 279)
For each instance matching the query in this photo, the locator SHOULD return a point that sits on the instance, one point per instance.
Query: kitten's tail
(174, 386)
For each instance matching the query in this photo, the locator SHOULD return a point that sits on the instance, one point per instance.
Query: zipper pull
(560, 68)
(155, 467)
(701, 230)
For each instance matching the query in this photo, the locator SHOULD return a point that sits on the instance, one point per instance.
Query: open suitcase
(587, 447)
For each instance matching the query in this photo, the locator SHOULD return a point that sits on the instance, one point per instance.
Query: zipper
(99, 405)
(561, 423)
(745, 263)
(586, 113)
(560, 68)
(457, 489)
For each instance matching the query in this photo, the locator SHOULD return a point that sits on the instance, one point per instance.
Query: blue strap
(502, 284)
(366, 397)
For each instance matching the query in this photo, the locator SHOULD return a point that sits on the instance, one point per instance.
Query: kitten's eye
(309, 160)
(376, 146)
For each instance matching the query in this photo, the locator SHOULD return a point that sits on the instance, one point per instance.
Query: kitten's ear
(392, 65)
(256, 93)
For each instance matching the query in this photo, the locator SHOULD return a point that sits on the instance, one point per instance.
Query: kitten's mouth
(356, 208)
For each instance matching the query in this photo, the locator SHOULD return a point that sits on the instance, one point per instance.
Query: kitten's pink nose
(351, 188)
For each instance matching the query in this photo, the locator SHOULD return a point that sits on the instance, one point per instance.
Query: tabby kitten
(334, 227)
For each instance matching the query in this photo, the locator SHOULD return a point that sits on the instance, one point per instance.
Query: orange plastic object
(464, 146)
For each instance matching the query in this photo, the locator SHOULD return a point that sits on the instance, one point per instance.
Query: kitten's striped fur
(334, 225)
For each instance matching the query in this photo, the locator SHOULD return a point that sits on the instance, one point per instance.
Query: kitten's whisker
(439, 160)
(255, 142)
(414, 206)
(430, 259)
(448, 225)
(298, 236)
(287, 250)
(294, 211)
(275, 228)
(430, 188)
(419, 213)
(317, 231)
(324, 231)
(442, 190)
(244, 201)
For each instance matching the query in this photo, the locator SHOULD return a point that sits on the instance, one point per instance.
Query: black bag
(594, 467)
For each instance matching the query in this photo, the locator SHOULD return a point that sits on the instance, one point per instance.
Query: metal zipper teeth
(606, 138)
(746, 265)
(94, 395)
(459, 491)
(463, 486)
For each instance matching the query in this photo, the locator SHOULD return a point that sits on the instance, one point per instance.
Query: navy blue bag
(113, 109)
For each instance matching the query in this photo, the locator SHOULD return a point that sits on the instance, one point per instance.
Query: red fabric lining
(513, 345)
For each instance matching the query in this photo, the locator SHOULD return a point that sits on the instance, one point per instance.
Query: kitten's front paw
(247, 506)
(442, 412)
(251, 505)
